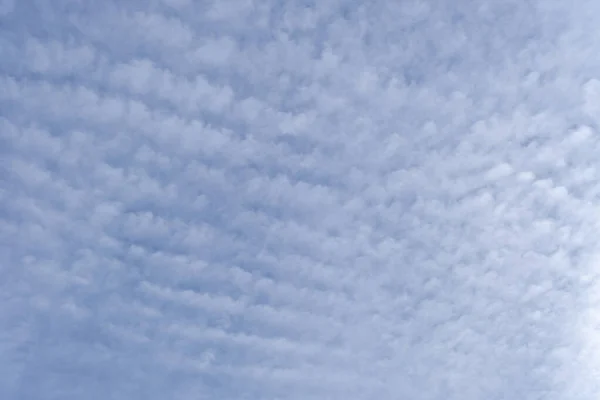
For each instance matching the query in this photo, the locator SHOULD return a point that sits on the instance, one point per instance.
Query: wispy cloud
(284, 200)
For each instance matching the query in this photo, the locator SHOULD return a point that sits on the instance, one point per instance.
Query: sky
(279, 199)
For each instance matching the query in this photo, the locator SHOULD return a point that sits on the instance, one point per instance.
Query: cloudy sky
(279, 199)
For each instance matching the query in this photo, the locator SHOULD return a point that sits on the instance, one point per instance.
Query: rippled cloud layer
(299, 200)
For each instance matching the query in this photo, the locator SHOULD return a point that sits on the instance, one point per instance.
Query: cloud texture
(299, 200)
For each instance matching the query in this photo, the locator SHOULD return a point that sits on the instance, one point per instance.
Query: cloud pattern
(293, 199)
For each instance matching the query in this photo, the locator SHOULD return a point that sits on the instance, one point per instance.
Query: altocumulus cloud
(299, 200)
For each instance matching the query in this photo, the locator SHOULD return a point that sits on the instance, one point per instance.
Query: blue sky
(299, 200)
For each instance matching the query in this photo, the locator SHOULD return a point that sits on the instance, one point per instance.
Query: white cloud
(277, 200)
